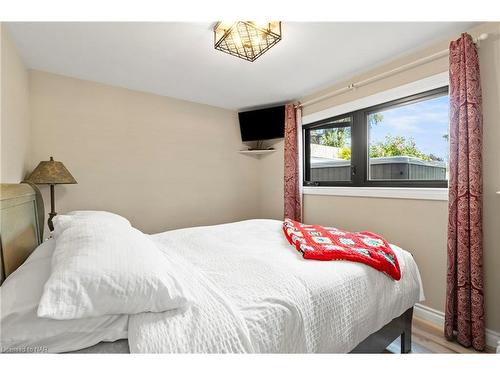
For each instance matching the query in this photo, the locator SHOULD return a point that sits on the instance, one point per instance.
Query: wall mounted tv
(262, 124)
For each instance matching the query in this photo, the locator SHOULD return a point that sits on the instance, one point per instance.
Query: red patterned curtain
(293, 198)
(464, 316)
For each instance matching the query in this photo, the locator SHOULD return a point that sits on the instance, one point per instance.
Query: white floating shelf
(257, 152)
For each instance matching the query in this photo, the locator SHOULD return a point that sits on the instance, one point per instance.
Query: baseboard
(436, 317)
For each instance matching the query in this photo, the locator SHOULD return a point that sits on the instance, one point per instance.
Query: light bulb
(261, 24)
(237, 40)
(225, 25)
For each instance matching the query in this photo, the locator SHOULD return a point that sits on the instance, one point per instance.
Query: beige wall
(15, 119)
(489, 56)
(161, 162)
(271, 169)
(416, 225)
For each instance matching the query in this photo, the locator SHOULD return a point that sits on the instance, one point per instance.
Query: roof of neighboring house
(324, 163)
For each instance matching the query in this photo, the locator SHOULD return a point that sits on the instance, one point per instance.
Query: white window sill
(436, 194)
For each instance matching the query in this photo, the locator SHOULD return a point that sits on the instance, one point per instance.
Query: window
(330, 150)
(403, 143)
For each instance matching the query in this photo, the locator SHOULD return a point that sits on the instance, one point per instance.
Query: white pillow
(103, 267)
(21, 329)
(71, 218)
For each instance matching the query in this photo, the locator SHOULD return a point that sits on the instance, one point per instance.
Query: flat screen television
(262, 124)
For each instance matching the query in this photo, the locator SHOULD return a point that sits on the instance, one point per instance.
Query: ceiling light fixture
(247, 40)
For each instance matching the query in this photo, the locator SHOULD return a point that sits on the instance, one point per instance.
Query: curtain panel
(464, 311)
(292, 178)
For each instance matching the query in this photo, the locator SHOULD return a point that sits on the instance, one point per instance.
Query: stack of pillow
(78, 288)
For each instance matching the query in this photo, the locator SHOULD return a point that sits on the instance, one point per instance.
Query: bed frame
(379, 341)
(21, 231)
(21, 225)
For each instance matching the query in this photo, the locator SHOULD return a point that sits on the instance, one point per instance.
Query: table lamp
(51, 173)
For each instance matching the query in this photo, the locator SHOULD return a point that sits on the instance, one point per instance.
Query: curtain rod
(385, 74)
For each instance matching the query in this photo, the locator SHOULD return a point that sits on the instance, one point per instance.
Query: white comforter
(254, 292)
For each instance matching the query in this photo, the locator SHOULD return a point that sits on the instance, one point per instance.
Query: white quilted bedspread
(253, 292)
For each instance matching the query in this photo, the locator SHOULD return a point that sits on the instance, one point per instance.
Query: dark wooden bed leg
(406, 335)
(405, 343)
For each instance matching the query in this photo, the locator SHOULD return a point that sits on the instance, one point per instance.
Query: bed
(245, 273)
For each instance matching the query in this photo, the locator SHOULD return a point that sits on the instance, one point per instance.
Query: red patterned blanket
(325, 243)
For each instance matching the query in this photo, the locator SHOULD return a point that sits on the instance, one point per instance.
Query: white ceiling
(179, 60)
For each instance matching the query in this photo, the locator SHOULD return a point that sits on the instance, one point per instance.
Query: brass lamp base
(52, 212)
(49, 222)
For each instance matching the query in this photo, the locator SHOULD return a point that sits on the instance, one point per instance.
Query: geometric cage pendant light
(247, 40)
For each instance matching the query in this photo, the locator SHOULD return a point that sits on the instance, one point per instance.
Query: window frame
(359, 145)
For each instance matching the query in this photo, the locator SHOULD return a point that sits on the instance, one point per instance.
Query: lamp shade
(51, 172)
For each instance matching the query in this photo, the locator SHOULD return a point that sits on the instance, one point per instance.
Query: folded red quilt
(326, 243)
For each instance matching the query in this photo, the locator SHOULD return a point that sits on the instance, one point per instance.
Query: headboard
(21, 225)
